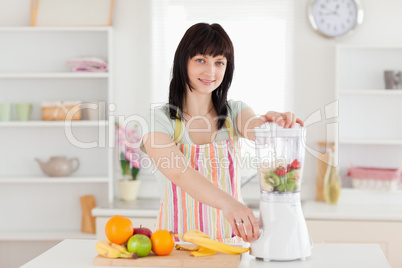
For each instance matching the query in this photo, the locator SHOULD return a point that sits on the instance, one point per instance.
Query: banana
(120, 248)
(105, 249)
(201, 252)
(197, 233)
(189, 247)
(199, 238)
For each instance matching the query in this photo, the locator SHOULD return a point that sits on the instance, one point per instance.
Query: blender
(283, 231)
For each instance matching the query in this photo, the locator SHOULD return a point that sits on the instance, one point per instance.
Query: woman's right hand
(242, 220)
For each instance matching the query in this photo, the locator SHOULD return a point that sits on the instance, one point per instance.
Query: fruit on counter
(162, 242)
(281, 171)
(201, 239)
(196, 250)
(140, 244)
(112, 250)
(118, 229)
(295, 164)
(202, 252)
(272, 179)
(190, 247)
(143, 231)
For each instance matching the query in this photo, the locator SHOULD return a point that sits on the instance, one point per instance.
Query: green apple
(140, 244)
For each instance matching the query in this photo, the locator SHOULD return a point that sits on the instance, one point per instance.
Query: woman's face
(206, 72)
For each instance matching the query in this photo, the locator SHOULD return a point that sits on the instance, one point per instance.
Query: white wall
(313, 63)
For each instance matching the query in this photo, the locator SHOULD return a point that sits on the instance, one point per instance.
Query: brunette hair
(204, 39)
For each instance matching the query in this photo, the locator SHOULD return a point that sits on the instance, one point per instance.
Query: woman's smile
(206, 81)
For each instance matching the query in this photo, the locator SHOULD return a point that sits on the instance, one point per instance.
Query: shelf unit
(32, 70)
(40, 123)
(53, 75)
(43, 236)
(26, 180)
(370, 116)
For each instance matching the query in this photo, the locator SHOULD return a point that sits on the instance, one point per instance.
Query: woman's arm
(173, 164)
(247, 120)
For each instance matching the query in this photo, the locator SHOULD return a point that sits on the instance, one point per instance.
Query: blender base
(284, 235)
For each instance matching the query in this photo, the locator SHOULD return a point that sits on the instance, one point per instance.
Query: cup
(393, 79)
(95, 110)
(5, 111)
(23, 111)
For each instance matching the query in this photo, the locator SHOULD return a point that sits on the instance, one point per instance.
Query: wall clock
(334, 18)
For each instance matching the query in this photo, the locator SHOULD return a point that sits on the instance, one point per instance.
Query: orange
(119, 229)
(162, 242)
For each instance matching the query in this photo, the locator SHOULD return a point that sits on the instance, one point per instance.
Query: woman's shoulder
(236, 106)
(158, 119)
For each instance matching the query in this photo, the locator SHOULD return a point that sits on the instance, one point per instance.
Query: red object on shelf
(375, 178)
(374, 173)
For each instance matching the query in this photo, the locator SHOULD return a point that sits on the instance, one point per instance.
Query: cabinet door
(387, 234)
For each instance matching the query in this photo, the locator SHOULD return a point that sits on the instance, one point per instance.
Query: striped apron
(219, 163)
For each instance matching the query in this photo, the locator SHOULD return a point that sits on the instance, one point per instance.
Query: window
(261, 32)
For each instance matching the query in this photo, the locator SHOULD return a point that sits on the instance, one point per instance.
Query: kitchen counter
(80, 254)
(357, 205)
(353, 205)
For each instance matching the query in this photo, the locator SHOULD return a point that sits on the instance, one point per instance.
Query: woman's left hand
(286, 120)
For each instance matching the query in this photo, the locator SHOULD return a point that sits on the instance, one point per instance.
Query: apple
(143, 231)
(140, 244)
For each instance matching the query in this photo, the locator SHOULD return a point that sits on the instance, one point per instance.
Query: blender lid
(274, 130)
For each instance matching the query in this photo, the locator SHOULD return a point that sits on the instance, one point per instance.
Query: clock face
(334, 17)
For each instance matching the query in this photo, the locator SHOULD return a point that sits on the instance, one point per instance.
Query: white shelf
(41, 123)
(380, 92)
(43, 236)
(29, 179)
(53, 29)
(54, 75)
(370, 142)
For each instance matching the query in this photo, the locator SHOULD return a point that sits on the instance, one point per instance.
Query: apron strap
(178, 129)
(229, 127)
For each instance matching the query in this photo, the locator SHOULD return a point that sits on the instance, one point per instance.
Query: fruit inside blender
(280, 176)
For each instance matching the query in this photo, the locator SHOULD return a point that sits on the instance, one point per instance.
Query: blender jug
(280, 157)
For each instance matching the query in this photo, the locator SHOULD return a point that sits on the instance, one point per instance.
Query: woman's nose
(210, 69)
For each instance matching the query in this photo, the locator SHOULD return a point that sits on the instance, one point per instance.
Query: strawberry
(281, 171)
(295, 164)
(288, 169)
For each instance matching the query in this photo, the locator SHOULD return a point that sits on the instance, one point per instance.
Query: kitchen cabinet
(33, 69)
(370, 125)
(387, 234)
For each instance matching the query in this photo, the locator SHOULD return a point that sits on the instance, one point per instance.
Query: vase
(129, 188)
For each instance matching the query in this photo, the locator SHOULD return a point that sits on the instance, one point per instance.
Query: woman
(194, 140)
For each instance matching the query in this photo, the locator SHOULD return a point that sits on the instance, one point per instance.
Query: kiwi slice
(272, 179)
(290, 174)
(289, 187)
(290, 182)
(282, 188)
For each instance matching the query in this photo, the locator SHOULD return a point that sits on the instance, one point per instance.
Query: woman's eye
(200, 60)
(220, 63)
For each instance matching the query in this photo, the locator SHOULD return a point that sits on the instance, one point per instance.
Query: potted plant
(130, 156)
